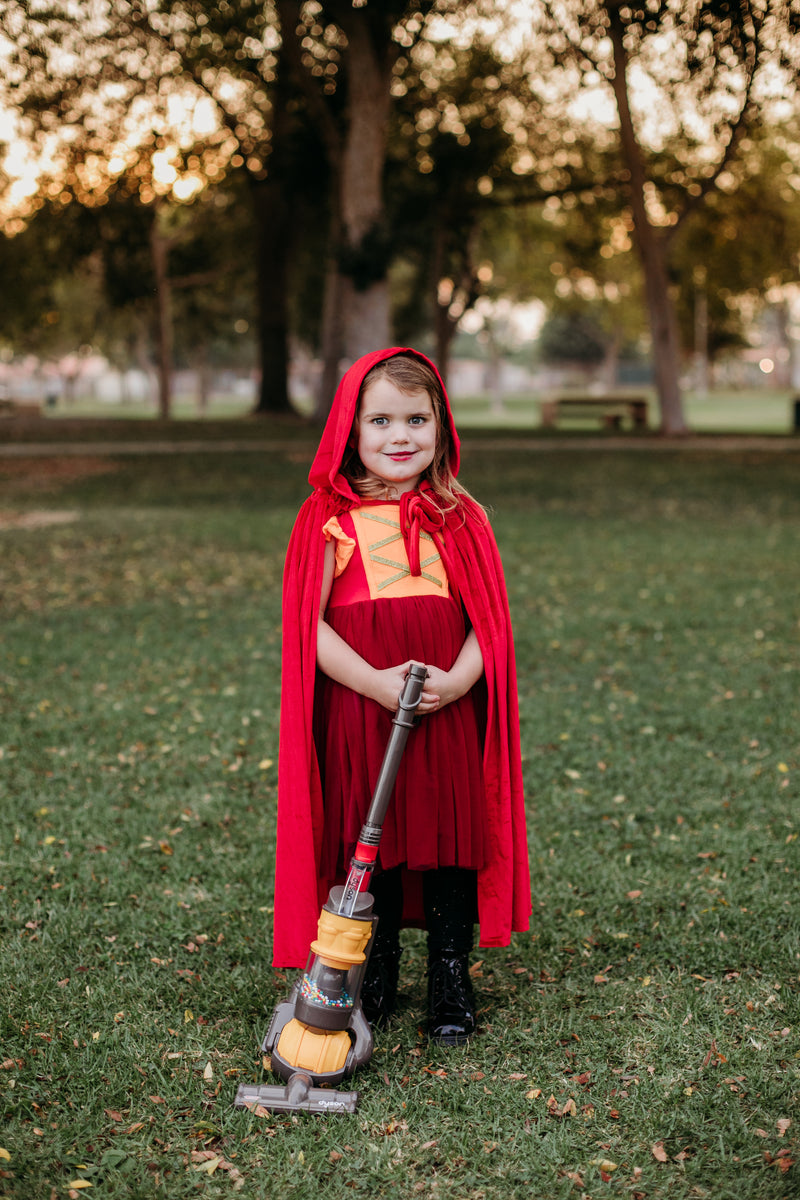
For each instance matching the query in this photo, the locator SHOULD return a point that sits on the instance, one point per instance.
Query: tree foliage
(406, 147)
(692, 75)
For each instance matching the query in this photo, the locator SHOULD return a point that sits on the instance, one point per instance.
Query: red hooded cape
(473, 565)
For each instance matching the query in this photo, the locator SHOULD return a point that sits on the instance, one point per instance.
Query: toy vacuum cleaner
(319, 1034)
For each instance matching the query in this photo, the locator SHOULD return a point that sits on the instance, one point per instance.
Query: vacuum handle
(402, 724)
(369, 838)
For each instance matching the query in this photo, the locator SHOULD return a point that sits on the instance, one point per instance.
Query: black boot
(379, 989)
(451, 1000)
(450, 900)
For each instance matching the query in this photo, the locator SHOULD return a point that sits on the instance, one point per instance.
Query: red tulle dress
(437, 817)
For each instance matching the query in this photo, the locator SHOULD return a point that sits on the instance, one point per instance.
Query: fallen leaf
(210, 1166)
(605, 1164)
(783, 1125)
(79, 1183)
(659, 1152)
(258, 1110)
(429, 1145)
(4, 1154)
(762, 1133)
(113, 1115)
(533, 1094)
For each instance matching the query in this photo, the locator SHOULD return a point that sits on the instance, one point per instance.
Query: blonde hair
(409, 374)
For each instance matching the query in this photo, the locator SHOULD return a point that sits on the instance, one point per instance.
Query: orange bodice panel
(371, 558)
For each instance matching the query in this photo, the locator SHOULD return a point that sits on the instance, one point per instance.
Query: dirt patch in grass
(38, 519)
(35, 475)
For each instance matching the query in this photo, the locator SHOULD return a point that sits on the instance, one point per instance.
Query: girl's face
(396, 434)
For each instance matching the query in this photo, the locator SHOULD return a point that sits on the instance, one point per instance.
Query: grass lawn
(640, 1041)
(753, 410)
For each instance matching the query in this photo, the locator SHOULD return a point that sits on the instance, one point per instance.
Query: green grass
(764, 410)
(640, 1041)
(749, 411)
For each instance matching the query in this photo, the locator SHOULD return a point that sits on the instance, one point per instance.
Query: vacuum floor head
(299, 1095)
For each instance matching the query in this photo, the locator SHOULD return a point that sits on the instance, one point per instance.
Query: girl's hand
(443, 687)
(386, 686)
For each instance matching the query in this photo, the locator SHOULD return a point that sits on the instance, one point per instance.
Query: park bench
(610, 409)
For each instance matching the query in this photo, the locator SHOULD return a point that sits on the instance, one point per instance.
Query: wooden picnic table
(611, 409)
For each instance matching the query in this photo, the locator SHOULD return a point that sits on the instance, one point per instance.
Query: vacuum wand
(320, 1034)
(366, 851)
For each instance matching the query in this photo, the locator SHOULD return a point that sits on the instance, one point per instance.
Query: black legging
(450, 902)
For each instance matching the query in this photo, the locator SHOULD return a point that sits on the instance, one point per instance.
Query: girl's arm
(338, 660)
(465, 672)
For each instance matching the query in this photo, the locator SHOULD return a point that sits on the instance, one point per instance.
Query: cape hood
(473, 565)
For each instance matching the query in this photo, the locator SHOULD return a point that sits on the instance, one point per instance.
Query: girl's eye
(379, 420)
(417, 420)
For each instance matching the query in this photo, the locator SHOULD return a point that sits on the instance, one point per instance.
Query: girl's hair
(409, 375)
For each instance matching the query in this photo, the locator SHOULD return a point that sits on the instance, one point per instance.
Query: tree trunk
(272, 207)
(494, 369)
(701, 361)
(660, 306)
(332, 337)
(159, 247)
(369, 68)
(203, 375)
(783, 339)
(443, 328)
(332, 332)
(610, 365)
(272, 218)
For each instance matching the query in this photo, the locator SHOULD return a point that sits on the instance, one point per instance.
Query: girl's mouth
(401, 455)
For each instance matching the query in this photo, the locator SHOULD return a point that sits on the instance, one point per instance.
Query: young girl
(391, 562)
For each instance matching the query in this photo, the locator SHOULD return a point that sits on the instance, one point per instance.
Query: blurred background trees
(226, 182)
